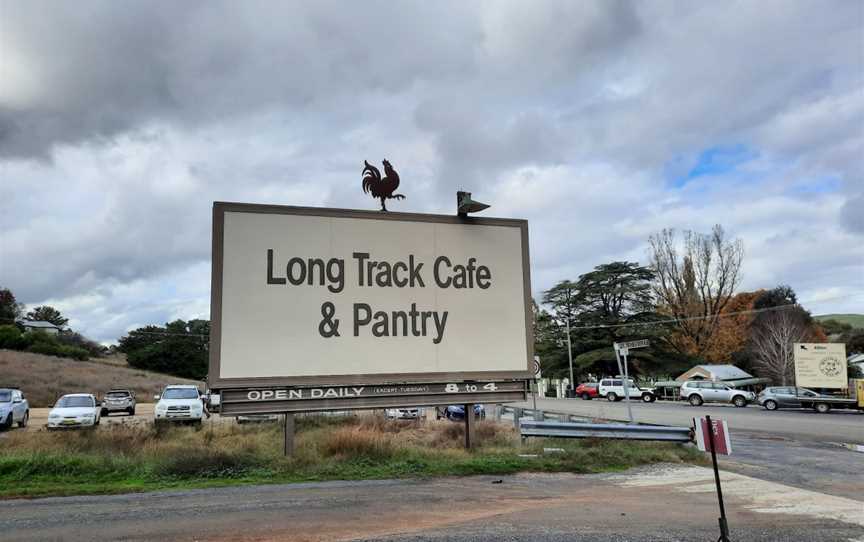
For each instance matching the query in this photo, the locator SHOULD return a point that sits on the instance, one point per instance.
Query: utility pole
(570, 355)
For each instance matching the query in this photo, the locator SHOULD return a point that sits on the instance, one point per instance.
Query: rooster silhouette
(381, 188)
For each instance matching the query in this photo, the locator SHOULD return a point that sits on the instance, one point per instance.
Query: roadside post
(623, 349)
(713, 436)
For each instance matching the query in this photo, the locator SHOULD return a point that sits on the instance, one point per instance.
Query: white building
(38, 325)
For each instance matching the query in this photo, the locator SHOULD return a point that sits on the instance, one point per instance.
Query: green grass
(126, 459)
(854, 320)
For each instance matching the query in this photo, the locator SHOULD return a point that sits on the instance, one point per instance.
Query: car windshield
(74, 402)
(5, 396)
(118, 394)
(180, 393)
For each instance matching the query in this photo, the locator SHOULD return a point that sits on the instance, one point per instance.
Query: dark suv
(119, 400)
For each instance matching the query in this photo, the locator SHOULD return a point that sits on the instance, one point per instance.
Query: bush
(10, 337)
(71, 338)
(40, 342)
(45, 348)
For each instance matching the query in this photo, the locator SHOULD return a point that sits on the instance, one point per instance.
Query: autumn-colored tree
(733, 329)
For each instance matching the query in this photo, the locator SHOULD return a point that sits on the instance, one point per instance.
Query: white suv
(613, 390)
(179, 403)
(697, 392)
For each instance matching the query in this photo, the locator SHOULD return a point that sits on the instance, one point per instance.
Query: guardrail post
(498, 409)
(517, 413)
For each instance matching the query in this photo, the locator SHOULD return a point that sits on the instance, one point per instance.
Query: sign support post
(288, 450)
(724, 527)
(469, 426)
(627, 386)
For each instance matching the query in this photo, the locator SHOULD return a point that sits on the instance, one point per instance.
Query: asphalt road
(668, 503)
(836, 426)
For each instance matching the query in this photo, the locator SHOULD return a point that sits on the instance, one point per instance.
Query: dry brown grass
(45, 378)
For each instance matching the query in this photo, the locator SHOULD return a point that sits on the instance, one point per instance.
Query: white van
(613, 390)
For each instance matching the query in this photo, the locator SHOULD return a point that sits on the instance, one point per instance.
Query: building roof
(717, 372)
(38, 324)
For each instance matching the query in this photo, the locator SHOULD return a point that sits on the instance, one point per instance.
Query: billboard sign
(820, 365)
(305, 297)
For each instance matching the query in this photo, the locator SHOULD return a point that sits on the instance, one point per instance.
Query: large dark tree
(612, 303)
(10, 309)
(179, 348)
(47, 313)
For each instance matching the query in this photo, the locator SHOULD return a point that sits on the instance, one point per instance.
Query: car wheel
(739, 401)
(770, 405)
(103, 412)
(823, 408)
(611, 397)
(8, 423)
(695, 400)
(132, 411)
(585, 396)
(647, 398)
(23, 423)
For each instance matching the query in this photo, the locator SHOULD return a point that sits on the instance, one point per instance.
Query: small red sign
(718, 434)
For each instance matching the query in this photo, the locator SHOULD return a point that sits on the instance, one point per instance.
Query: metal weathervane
(382, 188)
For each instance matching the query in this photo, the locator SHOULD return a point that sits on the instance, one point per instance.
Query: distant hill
(854, 320)
(45, 378)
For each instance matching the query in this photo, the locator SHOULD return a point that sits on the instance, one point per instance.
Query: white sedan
(74, 410)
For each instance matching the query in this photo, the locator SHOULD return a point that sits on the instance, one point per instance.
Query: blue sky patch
(717, 161)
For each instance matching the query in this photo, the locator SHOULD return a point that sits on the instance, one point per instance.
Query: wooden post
(469, 426)
(289, 435)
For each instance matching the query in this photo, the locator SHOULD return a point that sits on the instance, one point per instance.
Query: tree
(10, 309)
(179, 348)
(695, 284)
(608, 304)
(733, 330)
(771, 343)
(46, 313)
(774, 331)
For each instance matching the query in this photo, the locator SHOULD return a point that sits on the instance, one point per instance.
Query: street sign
(623, 347)
(718, 434)
(536, 367)
(820, 365)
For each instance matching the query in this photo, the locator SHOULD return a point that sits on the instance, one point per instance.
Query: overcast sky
(120, 123)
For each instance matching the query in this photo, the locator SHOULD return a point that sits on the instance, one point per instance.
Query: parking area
(143, 415)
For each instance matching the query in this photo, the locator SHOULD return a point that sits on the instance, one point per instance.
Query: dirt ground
(666, 502)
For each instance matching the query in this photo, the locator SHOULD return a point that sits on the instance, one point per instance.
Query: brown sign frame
(217, 383)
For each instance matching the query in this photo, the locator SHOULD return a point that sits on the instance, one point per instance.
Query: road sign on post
(713, 436)
(623, 349)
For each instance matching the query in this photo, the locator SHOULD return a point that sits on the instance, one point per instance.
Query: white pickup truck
(613, 390)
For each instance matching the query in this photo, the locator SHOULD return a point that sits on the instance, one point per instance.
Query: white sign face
(307, 293)
(623, 347)
(820, 365)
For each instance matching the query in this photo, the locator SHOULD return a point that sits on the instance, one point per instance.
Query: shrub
(10, 337)
(46, 348)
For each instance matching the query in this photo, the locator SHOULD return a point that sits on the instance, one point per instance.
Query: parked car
(411, 413)
(587, 390)
(14, 408)
(457, 412)
(697, 392)
(179, 403)
(75, 410)
(613, 390)
(784, 397)
(118, 400)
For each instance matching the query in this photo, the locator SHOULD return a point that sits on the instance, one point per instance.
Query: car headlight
(54, 417)
(161, 408)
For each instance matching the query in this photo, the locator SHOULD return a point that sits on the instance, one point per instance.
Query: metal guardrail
(531, 428)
